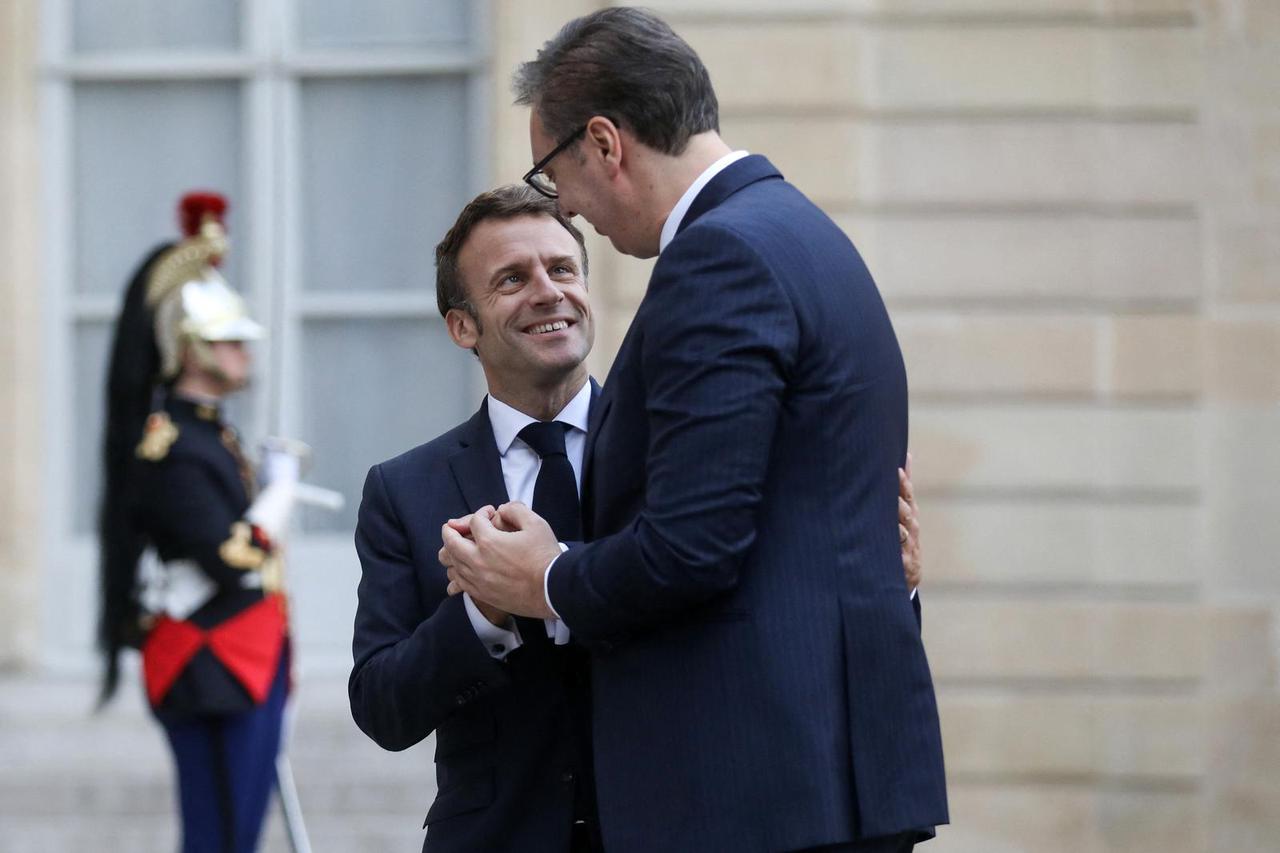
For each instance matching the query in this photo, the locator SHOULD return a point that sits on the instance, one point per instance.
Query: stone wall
(1240, 320)
(19, 337)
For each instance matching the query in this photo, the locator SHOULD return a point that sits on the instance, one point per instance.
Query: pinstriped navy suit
(758, 677)
(508, 765)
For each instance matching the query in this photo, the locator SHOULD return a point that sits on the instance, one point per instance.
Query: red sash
(248, 645)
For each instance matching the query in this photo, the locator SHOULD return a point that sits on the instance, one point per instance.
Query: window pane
(137, 148)
(330, 24)
(373, 389)
(155, 24)
(384, 172)
(91, 345)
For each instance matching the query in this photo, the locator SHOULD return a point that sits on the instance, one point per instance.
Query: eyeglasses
(539, 179)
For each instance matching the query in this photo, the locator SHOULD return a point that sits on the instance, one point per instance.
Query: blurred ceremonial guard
(212, 623)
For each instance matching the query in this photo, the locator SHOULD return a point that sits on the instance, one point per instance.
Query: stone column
(19, 337)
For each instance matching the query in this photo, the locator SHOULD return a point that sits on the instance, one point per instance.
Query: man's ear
(604, 140)
(463, 328)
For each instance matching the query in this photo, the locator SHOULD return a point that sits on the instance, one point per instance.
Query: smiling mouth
(547, 328)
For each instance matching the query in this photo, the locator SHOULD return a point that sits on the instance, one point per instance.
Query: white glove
(281, 469)
(282, 459)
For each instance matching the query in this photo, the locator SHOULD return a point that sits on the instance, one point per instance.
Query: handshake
(499, 556)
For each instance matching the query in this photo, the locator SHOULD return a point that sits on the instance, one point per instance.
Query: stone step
(74, 780)
(330, 834)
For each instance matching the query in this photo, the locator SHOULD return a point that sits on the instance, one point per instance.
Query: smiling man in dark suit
(507, 703)
(509, 706)
(758, 678)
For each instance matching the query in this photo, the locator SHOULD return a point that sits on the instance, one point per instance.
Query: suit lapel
(477, 467)
(732, 178)
(600, 403)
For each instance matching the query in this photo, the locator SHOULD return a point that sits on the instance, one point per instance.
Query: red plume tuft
(195, 206)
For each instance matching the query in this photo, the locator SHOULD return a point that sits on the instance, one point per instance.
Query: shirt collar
(507, 421)
(203, 407)
(676, 216)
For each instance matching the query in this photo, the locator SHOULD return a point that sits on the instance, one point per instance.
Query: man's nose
(546, 290)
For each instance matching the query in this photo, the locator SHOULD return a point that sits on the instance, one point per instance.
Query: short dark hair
(506, 202)
(625, 64)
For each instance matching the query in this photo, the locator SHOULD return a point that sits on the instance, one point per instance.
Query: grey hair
(627, 65)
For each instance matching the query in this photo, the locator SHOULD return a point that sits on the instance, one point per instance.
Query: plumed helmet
(190, 300)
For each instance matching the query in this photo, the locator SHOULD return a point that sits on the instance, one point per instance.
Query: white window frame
(271, 68)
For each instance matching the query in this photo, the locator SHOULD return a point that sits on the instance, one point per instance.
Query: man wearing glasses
(758, 678)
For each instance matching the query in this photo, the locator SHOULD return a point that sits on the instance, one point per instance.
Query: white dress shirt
(520, 466)
(676, 216)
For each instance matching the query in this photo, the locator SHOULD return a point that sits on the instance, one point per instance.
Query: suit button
(567, 776)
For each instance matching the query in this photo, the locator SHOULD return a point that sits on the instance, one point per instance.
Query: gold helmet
(192, 303)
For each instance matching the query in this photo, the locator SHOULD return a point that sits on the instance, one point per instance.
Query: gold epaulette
(245, 550)
(158, 435)
(239, 551)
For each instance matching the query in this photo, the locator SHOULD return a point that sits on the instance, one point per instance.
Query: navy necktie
(555, 492)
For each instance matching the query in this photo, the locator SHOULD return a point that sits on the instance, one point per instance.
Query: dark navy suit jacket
(507, 732)
(759, 682)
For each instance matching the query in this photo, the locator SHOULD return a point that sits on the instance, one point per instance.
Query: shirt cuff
(546, 577)
(499, 642)
(556, 629)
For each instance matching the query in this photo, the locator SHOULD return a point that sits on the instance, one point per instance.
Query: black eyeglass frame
(551, 155)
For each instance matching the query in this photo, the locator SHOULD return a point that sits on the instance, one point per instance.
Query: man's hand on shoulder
(909, 527)
(500, 557)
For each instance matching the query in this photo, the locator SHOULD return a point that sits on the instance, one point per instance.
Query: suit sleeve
(188, 507)
(415, 665)
(719, 338)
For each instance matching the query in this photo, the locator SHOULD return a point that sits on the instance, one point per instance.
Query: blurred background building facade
(1072, 208)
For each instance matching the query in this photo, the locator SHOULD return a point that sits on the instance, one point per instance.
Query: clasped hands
(499, 557)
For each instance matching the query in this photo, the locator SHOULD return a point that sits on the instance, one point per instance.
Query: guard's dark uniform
(225, 657)
(212, 627)
(217, 680)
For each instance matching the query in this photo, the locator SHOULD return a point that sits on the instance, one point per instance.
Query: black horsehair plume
(131, 378)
